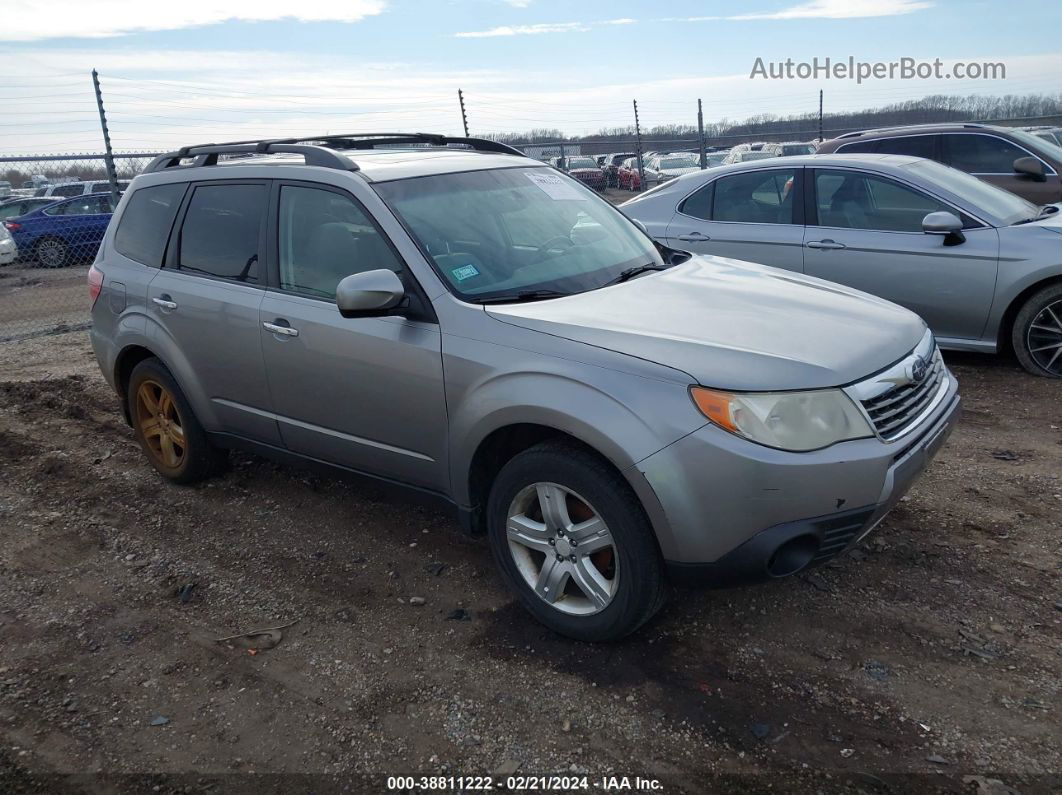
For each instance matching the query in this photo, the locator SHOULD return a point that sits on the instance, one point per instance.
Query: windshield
(1037, 144)
(581, 162)
(492, 233)
(679, 162)
(798, 149)
(1002, 204)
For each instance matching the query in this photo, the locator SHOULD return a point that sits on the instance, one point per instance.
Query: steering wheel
(565, 241)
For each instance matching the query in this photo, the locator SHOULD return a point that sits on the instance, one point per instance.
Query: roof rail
(318, 150)
(926, 126)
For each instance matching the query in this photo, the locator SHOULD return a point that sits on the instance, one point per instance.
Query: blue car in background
(63, 232)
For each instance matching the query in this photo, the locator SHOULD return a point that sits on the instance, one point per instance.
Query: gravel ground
(927, 659)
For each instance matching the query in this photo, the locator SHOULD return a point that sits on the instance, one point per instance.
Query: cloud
(51, 19)
(158, 99)
(842, 9)
(546, 27)
(524, 30)
(518, 3)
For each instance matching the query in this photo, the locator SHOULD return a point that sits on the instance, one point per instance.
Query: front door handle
(275, 328)
(165, 302)
(694, 237)
(828, 244)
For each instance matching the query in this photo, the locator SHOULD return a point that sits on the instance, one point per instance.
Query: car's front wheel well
(129, 358)
(499, 447)
(1006, 326)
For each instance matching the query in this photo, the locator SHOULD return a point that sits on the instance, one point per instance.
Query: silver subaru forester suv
(451, 316)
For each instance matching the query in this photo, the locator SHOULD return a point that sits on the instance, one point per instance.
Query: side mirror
(945, 224)
(369, 294)
(1030, 167)
(641, 226)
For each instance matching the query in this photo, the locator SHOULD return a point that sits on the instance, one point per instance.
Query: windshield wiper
(1046, 210)
(637, 270)
(519, 297)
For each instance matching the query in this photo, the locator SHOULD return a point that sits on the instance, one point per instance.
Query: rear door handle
(694, 237)
(825, 244)
(165, 302)
(276, 328)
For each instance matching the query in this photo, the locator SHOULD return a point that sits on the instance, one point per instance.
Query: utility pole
(638, 148)
(108, 156)
(820, 115)
(464, 118)
(700, 135)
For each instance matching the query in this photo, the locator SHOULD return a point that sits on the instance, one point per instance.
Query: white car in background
(68, 190)
(8, 249)
(664, 167)
(745, 156)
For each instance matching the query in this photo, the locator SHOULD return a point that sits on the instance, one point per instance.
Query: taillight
(12, 226)
(95, 283)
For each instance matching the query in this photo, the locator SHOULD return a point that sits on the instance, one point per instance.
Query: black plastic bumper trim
(747, 563)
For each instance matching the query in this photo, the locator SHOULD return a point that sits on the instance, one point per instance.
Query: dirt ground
(35, 300)
(927, 659)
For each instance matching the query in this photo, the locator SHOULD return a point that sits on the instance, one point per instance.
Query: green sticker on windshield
(464, 272)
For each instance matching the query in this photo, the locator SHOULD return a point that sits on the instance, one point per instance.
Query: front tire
(573, 543)
(1037, 333)
(166, 428)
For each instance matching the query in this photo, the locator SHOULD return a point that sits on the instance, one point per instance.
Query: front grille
(892, 411)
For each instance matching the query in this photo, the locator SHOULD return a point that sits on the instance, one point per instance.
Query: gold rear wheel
(159, 424)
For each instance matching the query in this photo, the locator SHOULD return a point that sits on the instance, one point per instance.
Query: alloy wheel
(160, 425)
(563, 549)
(1044, 338)
(51, 253)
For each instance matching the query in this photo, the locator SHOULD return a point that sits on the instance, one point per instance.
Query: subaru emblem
(919, 368)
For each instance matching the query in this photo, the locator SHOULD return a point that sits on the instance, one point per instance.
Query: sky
(207, 70)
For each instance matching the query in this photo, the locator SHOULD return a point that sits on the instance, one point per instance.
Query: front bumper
(730, 507)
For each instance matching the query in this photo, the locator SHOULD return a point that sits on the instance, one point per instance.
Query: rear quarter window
(145, 224)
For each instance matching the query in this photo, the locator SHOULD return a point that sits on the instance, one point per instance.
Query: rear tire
(1037, 333)
(611, 581)
(166, 427)
(51, 252)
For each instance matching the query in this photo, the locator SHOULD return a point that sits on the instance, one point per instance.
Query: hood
(734, 325)
(678, 172)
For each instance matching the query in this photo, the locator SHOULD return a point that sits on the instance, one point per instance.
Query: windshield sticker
(464, 272)
(556, 187)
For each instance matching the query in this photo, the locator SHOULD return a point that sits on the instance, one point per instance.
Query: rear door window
(145, 224)
(756, 197)
(910, 145)
(68, 190)
(221, 232)
(699, 204)
(982, 154)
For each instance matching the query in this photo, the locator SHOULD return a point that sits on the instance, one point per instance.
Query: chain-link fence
(54, 210)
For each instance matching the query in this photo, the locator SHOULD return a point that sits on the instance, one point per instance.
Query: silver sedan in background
(982, 266)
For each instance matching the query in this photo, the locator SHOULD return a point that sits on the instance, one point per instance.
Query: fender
(1004, 309)
(622, 428)
(141, 330)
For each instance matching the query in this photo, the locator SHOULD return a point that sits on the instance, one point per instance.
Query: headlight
(796, 421)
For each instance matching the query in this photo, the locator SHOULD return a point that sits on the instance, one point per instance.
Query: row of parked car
(53, 232)
(620, 169)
